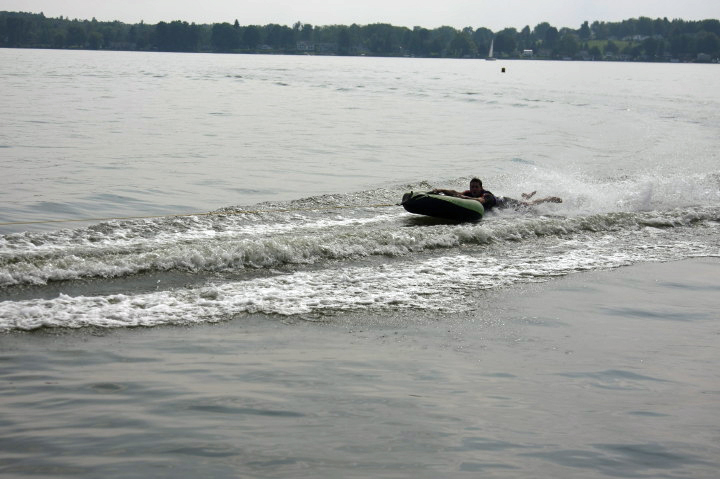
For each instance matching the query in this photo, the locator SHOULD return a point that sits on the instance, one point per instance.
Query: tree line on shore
(636, 39)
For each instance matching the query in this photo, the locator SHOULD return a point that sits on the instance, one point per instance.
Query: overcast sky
(493, 14)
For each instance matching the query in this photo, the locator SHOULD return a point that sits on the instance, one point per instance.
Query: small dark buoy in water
(503, 69)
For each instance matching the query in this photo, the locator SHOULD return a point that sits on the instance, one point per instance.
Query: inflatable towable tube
(441, 206)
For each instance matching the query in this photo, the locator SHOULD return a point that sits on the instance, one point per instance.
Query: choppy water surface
(328, 254)
(297, 165)
(298, 155)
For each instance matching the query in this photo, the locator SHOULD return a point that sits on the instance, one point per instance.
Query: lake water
(301, 324)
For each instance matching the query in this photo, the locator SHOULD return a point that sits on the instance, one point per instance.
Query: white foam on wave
(191, 244)
(587, 195)
(164, 231)
(197, 250)
(447, 283)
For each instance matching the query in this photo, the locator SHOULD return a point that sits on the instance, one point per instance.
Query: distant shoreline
(563, 60)
(636, 40)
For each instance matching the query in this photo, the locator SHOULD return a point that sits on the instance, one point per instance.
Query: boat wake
(311, 257)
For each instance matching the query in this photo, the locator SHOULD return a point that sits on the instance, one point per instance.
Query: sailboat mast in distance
(490, 52)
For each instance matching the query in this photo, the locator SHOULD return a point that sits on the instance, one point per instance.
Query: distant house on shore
(527, 53)
(303, 46)
(316, 47)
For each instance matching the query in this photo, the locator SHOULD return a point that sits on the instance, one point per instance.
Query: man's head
(475, 187)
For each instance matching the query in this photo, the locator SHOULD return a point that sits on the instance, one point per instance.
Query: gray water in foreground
(607, 374)
(309, 327)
